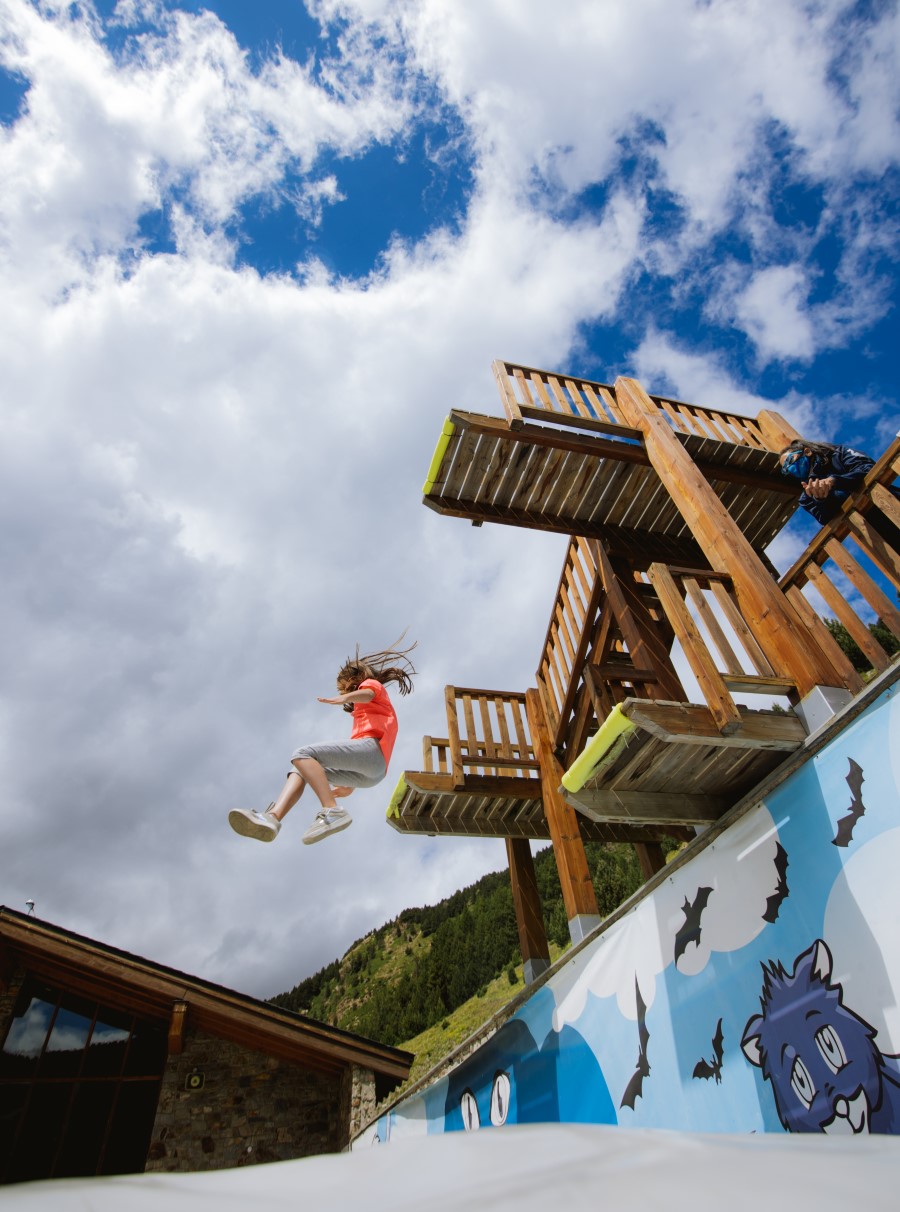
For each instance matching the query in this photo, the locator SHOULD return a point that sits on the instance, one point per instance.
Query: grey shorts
(347, 763)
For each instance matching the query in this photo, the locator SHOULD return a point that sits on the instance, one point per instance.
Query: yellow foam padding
(617, 727)
(449, 429)
(399, 793)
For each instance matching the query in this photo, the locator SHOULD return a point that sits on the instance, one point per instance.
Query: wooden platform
(598, 485)
(667, 763)
(494, 807)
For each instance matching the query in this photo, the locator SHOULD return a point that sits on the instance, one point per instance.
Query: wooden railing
(716, 641)
(605, 642)
(487, 734)
(541, 395)
(569, 635)
(870, 518)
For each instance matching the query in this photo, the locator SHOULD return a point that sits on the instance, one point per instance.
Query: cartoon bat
(690, 931)
(781, 893)
(635, 1087)
(707, 1069)
(845, 825)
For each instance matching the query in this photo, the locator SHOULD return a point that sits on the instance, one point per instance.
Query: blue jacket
(849, 468)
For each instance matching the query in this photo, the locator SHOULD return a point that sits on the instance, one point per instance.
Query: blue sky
(250, 256)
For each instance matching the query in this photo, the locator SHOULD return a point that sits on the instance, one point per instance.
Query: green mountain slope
(408, 977)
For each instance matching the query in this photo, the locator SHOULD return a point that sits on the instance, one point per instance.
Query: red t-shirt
(376, 718)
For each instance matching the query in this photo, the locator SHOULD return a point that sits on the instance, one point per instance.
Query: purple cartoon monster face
(826, 1072)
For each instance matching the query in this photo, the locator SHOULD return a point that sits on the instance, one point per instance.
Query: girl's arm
(352, 696)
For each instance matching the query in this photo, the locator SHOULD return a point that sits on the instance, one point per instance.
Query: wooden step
(751, 684)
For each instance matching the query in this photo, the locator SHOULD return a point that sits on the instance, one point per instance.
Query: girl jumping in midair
(335, 769)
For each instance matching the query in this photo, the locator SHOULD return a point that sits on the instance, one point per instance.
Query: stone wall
(224, 1105)
(359, 1096)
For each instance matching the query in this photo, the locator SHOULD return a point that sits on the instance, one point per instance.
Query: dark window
(79, 1084)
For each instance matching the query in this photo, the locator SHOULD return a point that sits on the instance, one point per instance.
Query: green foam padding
(447, 432)
(399, 793)
(615, 728)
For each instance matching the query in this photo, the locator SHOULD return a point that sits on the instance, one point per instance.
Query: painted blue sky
(250, 255)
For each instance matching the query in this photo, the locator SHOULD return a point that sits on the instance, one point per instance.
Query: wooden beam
(649, 807)
(508, 786)
(766, 610)
(637, 627)
(878, 551)
(873, 594)
(606, 448)
(859, 632)
(620, 540)
(750, 683)
(456, 766)
(527, 903)
(887, 503)
(568, 848)
(692, 725)
(177, 1023)
(776, 432)
(651, 858)
(823, 637)
(720, 702)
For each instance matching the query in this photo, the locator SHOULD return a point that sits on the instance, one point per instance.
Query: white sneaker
(250, 823)
(329, 820)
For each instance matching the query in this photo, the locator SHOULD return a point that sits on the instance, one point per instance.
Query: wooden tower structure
(668, 508)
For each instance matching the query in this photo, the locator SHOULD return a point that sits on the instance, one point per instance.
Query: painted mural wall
(755, 990)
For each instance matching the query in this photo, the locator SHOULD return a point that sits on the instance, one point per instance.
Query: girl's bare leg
(290, 793)
(313, 772)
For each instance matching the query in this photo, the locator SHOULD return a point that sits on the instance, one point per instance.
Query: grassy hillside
(402, 983)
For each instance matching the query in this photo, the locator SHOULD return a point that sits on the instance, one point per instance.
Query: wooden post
(844, 612)
(881, 554)
(456, 766)
(176, 1028)
(640, 633)
(651, 858)
(768, 613)
(879, 601)
(718, 698)
(776, 432)
(562, 819)
(529, 916)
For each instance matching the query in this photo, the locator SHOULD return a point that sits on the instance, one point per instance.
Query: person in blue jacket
(829, 475)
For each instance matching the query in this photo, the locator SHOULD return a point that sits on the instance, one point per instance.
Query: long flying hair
(389, 665)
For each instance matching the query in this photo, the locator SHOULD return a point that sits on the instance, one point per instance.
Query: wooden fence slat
(726, 652)
(453, 736)
(826, 641)
(867, 643)
(886, 502)
(579, 408)
(725, 598)
(878, 551)
(720, 702)
(490, 748)
(507, 395)
(873, 594)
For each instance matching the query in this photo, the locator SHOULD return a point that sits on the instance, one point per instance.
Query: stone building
(112, 1064)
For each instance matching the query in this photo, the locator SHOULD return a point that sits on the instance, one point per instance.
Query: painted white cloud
(741, 876)
(860, 930)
